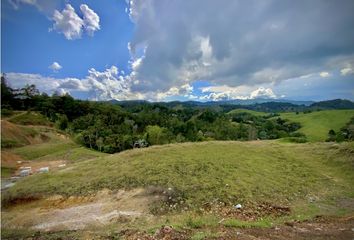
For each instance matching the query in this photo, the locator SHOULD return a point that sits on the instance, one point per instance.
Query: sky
(202, 50)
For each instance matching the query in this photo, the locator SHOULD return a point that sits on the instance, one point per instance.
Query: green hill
(240, 110)
(199, 173)
(315, 125)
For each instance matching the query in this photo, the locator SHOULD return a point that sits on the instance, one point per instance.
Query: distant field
(241, 110)
(315, 125)
(230, 172)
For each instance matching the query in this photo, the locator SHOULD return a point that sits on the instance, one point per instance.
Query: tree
(7, 95)
(156, 135)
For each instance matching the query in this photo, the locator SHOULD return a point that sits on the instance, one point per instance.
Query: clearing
(315, 125)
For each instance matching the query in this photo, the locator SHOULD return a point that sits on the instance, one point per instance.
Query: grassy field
(315, 125)
(235, 111)
(30, 118)
(199, 173)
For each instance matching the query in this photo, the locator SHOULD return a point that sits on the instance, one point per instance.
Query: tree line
(111, 128)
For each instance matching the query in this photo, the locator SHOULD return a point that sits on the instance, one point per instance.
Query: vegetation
(242, 172)
(316, 125)
(110, 128)
(333, 104)
(30, 118)
(194, 178)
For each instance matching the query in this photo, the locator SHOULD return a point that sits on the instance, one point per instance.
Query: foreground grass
(315, 125)
(228, 172)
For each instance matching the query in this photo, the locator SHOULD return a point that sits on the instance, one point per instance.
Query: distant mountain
(264, 105)
(333, 104)
(263, 100)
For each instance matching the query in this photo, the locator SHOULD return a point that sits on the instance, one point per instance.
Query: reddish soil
(319, 228)
(9, 159)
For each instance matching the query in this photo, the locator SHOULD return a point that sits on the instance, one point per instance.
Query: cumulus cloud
(262, 93)
(91, 19)
(71, 25)
(97, 85)
(238, 42)
(68, 23)
(224, 92)
(55, 66)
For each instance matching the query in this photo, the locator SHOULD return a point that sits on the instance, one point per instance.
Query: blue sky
(162, 51)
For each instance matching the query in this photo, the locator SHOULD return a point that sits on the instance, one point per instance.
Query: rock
(26, 168)
(9, 185)
(62, 165)
(25, 172)
(238, 206)
(43, 169)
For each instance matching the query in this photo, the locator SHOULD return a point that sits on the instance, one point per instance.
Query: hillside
(194, 187)
(333, 104)
(251, 171)
(240, 110)
(315, 125)
(28, 140)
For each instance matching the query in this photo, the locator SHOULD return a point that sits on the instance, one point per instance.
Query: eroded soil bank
(57, 213)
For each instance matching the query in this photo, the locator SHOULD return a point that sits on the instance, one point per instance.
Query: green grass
(32, 152)
(236, 223)
(229, 172)
(57, 150)
(205, 235)
(255, 113)
(30, 118)
(315, 125)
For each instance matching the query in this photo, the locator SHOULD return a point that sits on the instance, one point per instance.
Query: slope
(315, 125)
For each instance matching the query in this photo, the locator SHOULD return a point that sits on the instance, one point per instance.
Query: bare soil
(74, 213)
(316, 229)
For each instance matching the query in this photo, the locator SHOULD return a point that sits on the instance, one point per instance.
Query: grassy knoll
(199, 173)
(30, 118)
(315, 125)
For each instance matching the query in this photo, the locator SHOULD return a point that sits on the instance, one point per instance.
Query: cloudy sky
(163, 50)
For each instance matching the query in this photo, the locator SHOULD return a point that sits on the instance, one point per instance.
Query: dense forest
(112, 127)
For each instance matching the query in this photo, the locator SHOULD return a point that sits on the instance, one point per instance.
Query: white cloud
(224, 92)
(324, 74)
(346, 71)
(184, 90)
(262, 93)
(91, 19)
(73, 84)
(71, 25)
(68, 23)
(45, 84)
(55, 66)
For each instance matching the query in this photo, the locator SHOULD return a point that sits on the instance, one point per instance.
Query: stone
(238, 206)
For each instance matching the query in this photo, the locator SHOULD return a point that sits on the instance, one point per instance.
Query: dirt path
(320, 228)
(74, 213)
(317, 229)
